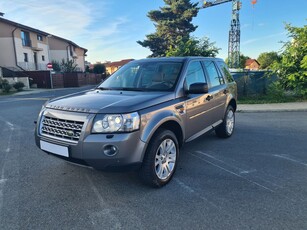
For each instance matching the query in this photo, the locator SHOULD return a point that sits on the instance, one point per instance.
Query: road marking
(191, 190)
(10, 125)
(33, 98)
(106, 212)
(241, 171)
(233, 166)
(290, 159)
(25, 99)
(7, 150)
(233, 173)
(248, 171)
(183, 185)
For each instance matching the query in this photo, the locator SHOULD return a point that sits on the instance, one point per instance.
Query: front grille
(64, 129)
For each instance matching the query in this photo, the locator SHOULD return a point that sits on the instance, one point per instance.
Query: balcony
(36, 48)
(26, 42)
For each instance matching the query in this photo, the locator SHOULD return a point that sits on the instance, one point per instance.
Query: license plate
(56, 149)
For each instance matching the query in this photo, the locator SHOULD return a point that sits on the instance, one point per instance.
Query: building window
(25, 57)
(43, 58)
(39, 37)
(25, 37)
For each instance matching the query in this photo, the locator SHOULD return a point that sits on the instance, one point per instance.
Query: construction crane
(234, 32)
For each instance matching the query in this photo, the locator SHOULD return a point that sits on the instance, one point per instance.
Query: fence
(253, 82)
(43, 79)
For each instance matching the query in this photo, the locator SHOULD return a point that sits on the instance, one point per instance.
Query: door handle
(225, 91)
(209, 97)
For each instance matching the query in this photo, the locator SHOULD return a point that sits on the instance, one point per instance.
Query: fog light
(110, 150)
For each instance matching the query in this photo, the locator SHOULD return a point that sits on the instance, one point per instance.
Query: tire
(160, 160)
(226, 129)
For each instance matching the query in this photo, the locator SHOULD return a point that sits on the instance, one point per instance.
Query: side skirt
(204, 131)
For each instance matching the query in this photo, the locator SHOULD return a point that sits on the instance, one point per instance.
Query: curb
(273, 107)
(270, 110)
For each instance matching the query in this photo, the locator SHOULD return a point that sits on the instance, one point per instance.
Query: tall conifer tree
(173, 24)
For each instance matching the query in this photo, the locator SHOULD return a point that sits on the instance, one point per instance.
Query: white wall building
(29, 49)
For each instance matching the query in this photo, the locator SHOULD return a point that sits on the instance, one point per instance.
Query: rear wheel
(160, 160)
(227, 127)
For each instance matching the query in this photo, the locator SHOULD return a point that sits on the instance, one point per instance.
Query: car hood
(109, 101)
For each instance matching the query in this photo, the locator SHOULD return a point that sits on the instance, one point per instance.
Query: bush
(18, 86)
(6, 87)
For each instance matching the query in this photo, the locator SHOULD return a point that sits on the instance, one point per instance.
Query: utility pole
(234, 36)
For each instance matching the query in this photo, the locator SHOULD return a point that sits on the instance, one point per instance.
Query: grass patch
(267, 99)
(6, 94)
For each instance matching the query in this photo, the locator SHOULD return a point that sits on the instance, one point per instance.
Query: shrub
(18, 86)
(6, 87)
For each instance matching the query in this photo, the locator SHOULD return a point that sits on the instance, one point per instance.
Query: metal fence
(252, 83)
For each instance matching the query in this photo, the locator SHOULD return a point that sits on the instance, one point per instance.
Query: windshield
(144, 76)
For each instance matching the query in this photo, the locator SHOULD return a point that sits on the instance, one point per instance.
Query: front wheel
(227, 127)
(160, 160)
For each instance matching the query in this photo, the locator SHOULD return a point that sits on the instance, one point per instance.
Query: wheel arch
(233, 103)
(171, 123)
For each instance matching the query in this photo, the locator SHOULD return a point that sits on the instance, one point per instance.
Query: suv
(141, 116)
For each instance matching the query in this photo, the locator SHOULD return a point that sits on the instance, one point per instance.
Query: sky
(109, 29)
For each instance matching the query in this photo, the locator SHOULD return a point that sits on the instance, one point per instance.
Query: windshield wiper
(103, 88)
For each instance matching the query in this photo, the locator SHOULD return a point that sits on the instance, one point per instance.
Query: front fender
(152, 121)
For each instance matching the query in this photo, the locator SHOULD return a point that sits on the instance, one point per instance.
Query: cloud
(262, 38)
(245, 25)
(78, 21)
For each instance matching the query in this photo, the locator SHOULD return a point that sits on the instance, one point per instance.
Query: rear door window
(225, 71)
(214, 77)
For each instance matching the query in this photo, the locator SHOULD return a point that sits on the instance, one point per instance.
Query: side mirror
(198, 88)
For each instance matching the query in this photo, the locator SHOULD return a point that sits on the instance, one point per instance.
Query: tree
(64, 66)
(292, 67)
(87, 69)
(266, 59)
(99, 68)
(56, 66)
(243, 59)
(194, 47)
(68, 66)
(173, 24)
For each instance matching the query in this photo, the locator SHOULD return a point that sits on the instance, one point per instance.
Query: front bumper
(88, 150)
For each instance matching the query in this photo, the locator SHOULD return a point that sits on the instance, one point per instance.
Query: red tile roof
(250, 61)
(118, 63)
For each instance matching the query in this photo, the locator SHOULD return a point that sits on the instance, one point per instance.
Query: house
(252, 64)
(61, 48)
(111, 67)
(23, 48)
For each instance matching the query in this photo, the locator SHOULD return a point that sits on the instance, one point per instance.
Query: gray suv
(141, 116)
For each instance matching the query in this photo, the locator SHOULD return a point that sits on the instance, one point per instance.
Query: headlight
(111, 123)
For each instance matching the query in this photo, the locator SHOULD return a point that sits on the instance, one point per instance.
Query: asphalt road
(257, 179)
